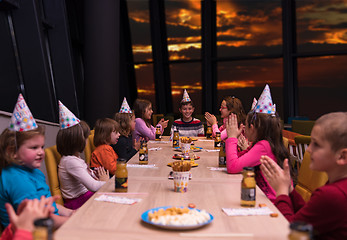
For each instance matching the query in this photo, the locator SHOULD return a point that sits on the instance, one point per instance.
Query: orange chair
(309, 180)
(52, 159)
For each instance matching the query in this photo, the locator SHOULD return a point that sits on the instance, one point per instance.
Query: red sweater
(326, 210)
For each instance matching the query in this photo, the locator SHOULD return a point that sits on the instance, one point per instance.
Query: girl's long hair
(11, 141)
(235, 106)
(124, 120)
(140, 106)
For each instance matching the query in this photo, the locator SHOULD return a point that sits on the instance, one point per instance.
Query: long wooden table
(209, 190)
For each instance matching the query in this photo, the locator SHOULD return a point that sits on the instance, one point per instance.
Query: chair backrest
(302, 126)
(52, 159)
(156, 118)
(309, 180)
(89, 147)
(302, 143)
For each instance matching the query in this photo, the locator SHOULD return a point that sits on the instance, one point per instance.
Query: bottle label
(143, 157)
(175, 143)
(121, 183)
(217, 144)
(248, 194)
(222, 161)
(209, 135)
(157, 136)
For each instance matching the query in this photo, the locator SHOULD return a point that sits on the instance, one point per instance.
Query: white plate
(145, 218)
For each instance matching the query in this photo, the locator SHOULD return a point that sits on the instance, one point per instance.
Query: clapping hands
(231, 125)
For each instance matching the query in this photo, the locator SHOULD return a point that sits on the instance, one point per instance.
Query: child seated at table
(77, 182)
(126, 119)
(187, 125)
(106, 132)
(21, 155)
(263, 128)
(229, 105)
(326, 210)
(143, 128)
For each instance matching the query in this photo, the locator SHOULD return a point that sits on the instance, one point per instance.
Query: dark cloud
(181, 31)
(140, 33)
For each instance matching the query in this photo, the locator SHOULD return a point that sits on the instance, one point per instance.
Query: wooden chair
(302, 143)
(90, 147)
(309, 180)
(52, 159)
(302, 126)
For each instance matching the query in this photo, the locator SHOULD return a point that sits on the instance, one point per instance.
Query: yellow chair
(309, 180)
(52, 159)
(89, 148)
(302, 126)
(302, 143)
(156, 118)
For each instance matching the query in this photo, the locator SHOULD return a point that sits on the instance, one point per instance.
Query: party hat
(186, 97)
(22, 120)
(66, 117)
(125, 107)
(264, 104)
(254, 104)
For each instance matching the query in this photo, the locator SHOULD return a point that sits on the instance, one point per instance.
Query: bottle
(176, 138)
(222, 156)
(217, 141)
(209, 132)
(43, 229)
(157, 134)
(121, 176)
(300, 231)
(248, 187)
(143, 153)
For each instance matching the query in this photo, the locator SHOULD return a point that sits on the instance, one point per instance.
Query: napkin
(154, 149)
(218, 168)
(151, 141)
(141, 166)
(117, 199)
(247, 211)
(212, 150)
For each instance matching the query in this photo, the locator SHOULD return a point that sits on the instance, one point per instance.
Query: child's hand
(242, 142)
(279, 179)
(163, 123)
(137, 144)
(30, 210)
(102, 174)
(210, 118)
(233, 130)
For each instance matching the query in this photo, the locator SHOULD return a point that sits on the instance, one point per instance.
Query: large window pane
(246, 80)
(322, 85)
(249, 27)
(321, 25)
(145, 83)
(183, 25)
(186, 76)
(138, 11)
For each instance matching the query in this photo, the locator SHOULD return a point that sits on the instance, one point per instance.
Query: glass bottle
(121, 176)
(248, 186)
(43, 229)
(143, 153)
(176, 138)
(222, 156)
(300, 231)
(217, 141)
(209, 132)
(157, 134)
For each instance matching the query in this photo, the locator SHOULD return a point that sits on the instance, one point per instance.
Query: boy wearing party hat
(125, 148)
(263, 129)
(21, 155)
(187, 125)
(77, 182)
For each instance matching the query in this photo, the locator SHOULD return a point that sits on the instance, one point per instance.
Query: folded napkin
(247, 211)
(206, 140)
(154, 149)
(211, 150)
(117, 199)
(141, 166)
(218, 168)
(151, 141)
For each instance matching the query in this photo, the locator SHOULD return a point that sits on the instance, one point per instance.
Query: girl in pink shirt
(265, 132)
(143, 128)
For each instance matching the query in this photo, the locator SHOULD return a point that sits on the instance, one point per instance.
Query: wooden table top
(209, 190)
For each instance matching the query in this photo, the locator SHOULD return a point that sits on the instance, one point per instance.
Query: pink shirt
(222, 130)
(250, 158)
(141, 130)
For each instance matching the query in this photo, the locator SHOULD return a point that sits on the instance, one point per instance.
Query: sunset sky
(244, 27)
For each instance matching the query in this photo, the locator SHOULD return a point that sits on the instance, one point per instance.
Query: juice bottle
(248, 187)
(143, 153)
(209, 132)
(157, 134)
(300, 231)
(176, 138)
(217, 141)
(121, 176)
(43, 229)
(222, 155)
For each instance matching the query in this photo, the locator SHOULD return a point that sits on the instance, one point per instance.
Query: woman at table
(143, 128)
(263, 129)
